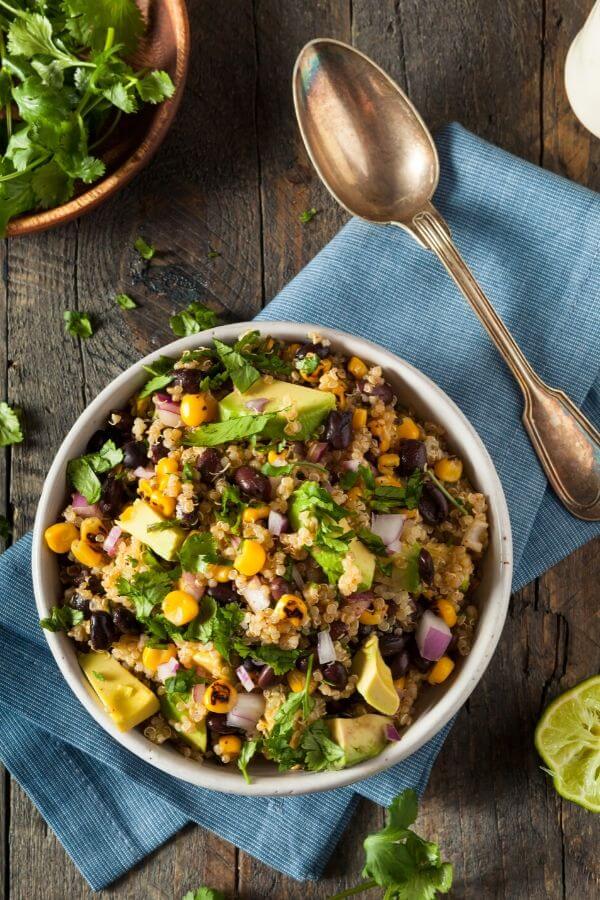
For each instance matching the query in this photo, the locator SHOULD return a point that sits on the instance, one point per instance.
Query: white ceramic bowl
(436, 706)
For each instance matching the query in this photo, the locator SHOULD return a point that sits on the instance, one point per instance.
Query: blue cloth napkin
(533, 240)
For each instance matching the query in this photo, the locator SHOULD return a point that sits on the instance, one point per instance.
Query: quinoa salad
(266, 554)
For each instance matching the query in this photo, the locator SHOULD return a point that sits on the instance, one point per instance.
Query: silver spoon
(375, 155)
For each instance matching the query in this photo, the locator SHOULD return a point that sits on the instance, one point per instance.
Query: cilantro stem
(357, 889)
(108, 132)
(8, 107)
(33, 165)
(306, 703)
(447, 493)
(16, 12)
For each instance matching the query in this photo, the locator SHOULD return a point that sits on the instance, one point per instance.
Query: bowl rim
(428, 724)
(140, 157)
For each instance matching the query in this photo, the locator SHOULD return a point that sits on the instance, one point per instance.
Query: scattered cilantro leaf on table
(10, 426)
(125, 301)
(195, 318)
(145, 250)
(78, 324)
(204, 893)
(307, 215)
(62, 618)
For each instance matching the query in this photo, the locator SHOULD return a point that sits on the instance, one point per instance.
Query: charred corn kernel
(254, 513)
(355, 493)
(219, 573)
(86, 555)
(220, 696)
(291, 350)
(179, 607)
(408, 429)
(381, 431)
(291, 608)
(369, 617)
(277, 459)
(59, 537)
(388, 461)
(441, 670)
(166, 466)
(165, 505)
(229, 745)
(388, 480)
(250, 559)
(447, 612)
(166, 484)
(448, 469)
(359, 418)
(91, 528)
(296, 680)
(198, 408)
(145, 487)
(400, 683)
(358, 368)
(340, 393)
(153, 657)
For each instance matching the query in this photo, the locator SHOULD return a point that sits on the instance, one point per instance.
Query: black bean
(364, 631)
(399, 664)
(81, 604)
(158, 451)
(114, 497)
(102, 631)
(134, 454)
(224, 592)
(279, 586)
(338, 630)
(188, 379)
(413, 455)
(390, 644)
(303, 661)
(318, 349)
(433, 506)
(382, 391)
(335, 674)
(217, 722)
(82, 646)
(125, 420)
(253, 483)
(125, 621)
(209, 465)
(338, 430)
(426, 568)
(339, 708)
(94, 584)
(100, 437)
(267, 678)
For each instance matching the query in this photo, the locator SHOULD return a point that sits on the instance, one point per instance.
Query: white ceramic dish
(436, 707)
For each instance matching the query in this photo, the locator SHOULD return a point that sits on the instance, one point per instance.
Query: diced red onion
(246, 712)
(325, 648)
(110, 542)
(278, 523)
(298, 579)
(83, 508)
(170, 419)
(245, 678)
(141, 472)
(198, 693)
(433, 636)
(257, 595)
(391, 733)
(361, 601)
(167, 670)
(316, 451)
(190, 585)
(387, 526)
(351, 465)
(166, 402)
(394, 547)
(257, 405)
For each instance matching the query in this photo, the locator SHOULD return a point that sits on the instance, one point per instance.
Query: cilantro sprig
(83, 471)
(195, 318)
(62, 618)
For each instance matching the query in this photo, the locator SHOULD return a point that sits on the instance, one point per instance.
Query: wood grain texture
(233, 177)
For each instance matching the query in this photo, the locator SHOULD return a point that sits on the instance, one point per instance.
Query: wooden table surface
(233, 177)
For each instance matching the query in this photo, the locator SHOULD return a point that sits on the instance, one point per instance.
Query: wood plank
(4, 509)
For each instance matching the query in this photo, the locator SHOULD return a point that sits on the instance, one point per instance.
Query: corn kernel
(355, 493)
(447, 612)
(408, 429)
(91, 528)
(153, 657)
(359, 418)
(296, 680)
(448, 469)
(220, 696)
(254, 513)
(145, 487)
(229, 745)
(388, 461)
(198, 408)
(380, 430)
(250, 559)
(59, 537)
(219, 573)
(165, 505)
(166, 466)
(179, 607)
(277, 459)
(388, 480)
(441, 670)
(369, 617)
(86, 555)
(291, 608)
(357, 367)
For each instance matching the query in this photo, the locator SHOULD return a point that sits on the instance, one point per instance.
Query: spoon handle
(567, 444)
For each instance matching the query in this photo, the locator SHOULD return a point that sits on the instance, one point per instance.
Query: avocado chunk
(359, 738)
(196, 738)
(365, 561)
(136, 521)
(312, 406)
(375, 682)
(127, 701)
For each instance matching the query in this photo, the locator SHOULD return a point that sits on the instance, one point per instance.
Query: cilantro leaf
(182, 682)
(220, 628)
(77, 324)
(195, 318)
(387, 498)
(308, 364)
(406, 571)
(372, 541)
(249, 748)
(204, 893)
(10, 426)
(287, 468)
(146, 590)
(308, 215)
(232, 507)
(262, 353)
(330, 561)
(62, 618)
(280, 660)
(88, 24)
(312, 498)
(241, 372)
(188, 472)
(82, 470)
(162, 372)
(278, 742)
(125, 301)
(145, 250)
(320, 751)
(197, 551)
(155, 87)
(31, 33)
(231, 430)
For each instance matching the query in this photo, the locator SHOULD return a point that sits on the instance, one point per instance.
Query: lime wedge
(568, 740)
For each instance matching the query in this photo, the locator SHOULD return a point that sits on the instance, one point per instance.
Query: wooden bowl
(165, 45)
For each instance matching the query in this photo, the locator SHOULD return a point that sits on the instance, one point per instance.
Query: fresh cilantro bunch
(64, 85)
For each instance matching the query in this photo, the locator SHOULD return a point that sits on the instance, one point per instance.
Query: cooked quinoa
(267, 553)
